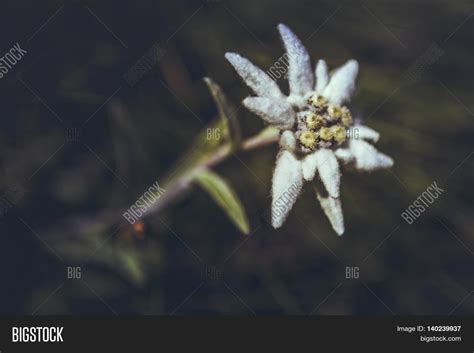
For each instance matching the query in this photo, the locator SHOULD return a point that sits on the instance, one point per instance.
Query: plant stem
(176, 186)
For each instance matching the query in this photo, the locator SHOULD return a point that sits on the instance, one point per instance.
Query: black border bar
(325, 334)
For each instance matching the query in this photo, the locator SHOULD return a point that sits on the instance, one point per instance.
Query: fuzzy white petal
(277, 112)
(309, 165)
(286, 186)
(342, 83)
(322, 76)
(298, 102)
(362, 132)
(288, 141)
(325, 163)
(333, 210)
(367, 158)
(328, 169)
(344, 155)
(300, 74)
(254, 77)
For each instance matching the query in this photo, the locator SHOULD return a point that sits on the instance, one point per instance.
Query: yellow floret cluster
(325, 124)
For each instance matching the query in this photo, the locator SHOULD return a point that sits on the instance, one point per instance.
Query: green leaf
(222, 133)
(227, 113)
(130, 265)
(225, 197)
(202, 148)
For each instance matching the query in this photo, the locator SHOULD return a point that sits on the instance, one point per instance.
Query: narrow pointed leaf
(226, 112)
(222, 193)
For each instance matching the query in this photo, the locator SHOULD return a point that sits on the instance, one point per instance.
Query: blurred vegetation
(74, 201)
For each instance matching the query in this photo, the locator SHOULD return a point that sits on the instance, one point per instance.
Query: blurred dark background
(79, 144)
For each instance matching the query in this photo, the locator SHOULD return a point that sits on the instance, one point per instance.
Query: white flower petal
(344, 155)
(309, 165)
(362, 132)
(322, 76)
(324, 161)
(333, 210)
(328, 169)
(286, 186)
(298, 102)
(254, 77)
(276, 112)
(288, 141)
(367, 158)
(300, 74)
(342, 83)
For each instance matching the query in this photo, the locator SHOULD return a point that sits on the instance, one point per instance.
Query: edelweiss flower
(317, 129)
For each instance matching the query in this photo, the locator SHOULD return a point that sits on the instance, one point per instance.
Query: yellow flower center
(317, 101)
(325, 134)
(338, 133)
(308, 139)
(324, 125)
(314, 120)
(346, 117)
(335, 112)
